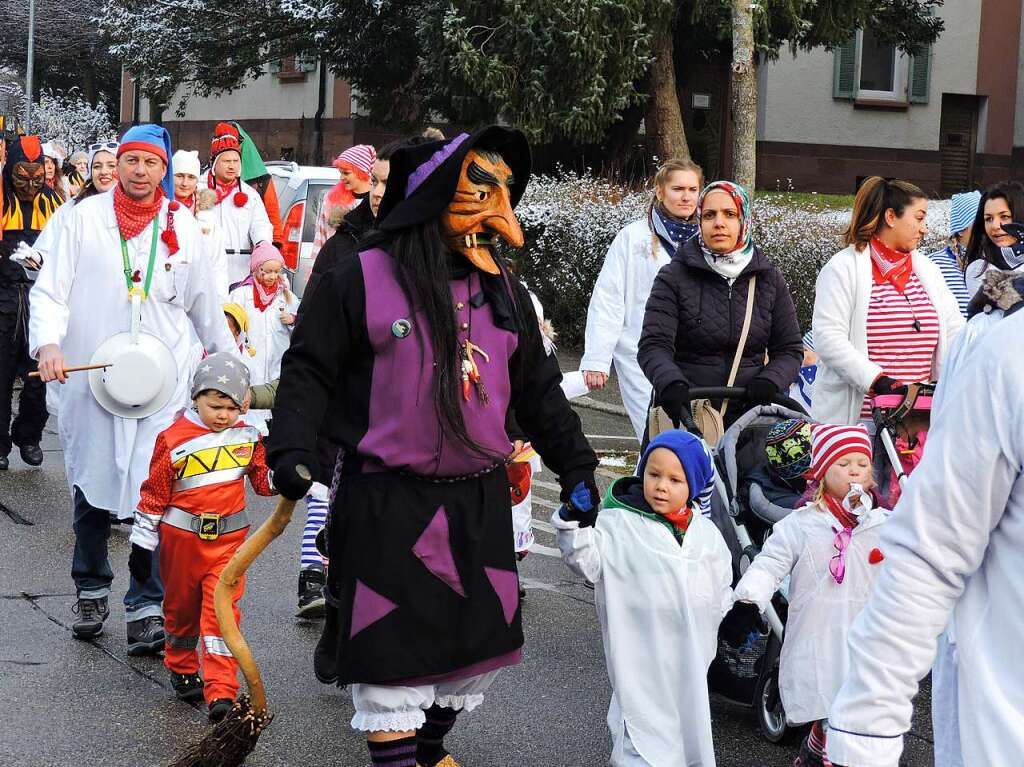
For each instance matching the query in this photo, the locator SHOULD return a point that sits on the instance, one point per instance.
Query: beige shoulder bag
(710, 421)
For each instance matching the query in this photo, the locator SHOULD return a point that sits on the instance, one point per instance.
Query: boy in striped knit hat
(830, 547)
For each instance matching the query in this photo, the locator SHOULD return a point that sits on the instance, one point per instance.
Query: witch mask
(28, 179)
(482, 209)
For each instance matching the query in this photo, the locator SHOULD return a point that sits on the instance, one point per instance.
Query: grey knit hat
(224, 373)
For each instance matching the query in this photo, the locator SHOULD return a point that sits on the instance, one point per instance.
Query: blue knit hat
(154, 139)
(963, 207)
(692, 453)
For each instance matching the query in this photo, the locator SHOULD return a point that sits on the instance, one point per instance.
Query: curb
(603, 407)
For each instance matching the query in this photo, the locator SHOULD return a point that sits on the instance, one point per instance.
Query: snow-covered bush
(571, 219)
(63, 116)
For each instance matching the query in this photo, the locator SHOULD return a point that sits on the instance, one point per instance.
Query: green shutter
(844, 75)
(920, 77)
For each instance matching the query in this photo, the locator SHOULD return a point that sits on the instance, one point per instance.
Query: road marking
(547, 504)
(629, 437)
(546, 485)
(545, 551)
(540, 524)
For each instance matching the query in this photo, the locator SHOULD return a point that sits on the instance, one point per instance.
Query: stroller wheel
(771, 716)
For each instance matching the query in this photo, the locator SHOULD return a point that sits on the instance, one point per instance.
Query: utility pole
(29, 63)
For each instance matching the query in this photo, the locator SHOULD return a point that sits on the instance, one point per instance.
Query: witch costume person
(28, 204)
(431, 342)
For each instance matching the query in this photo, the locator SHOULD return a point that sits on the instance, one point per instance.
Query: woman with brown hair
(993, 247)
(616, 313)
(883, 314)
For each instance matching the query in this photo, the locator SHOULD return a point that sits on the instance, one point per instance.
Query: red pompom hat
(226, 139)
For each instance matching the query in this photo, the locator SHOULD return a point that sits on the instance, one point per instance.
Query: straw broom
(233, 738)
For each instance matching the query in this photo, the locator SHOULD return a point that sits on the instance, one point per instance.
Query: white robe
(659, 605)
(79, 300)
(954, 545)
(615, 316)
(268, 336)
(240, 228)
(814, 657)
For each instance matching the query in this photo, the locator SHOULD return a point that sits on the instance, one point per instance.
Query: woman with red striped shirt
(883, 314)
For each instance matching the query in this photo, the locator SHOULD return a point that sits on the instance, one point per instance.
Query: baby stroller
(749, 675)
(901, 424)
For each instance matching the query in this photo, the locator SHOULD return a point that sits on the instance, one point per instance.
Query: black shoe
(219, 709)
(5, 463)
(311, 593)
(188, 687)
(31, 454)
(325, 664)
(146, 636)
(91, 614)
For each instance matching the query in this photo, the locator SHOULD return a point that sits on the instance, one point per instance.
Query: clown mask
(480, 209)
(28, 179)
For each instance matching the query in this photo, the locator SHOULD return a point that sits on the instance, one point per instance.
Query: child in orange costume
(193, 506)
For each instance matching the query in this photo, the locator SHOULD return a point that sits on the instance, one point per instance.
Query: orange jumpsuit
(199, 472)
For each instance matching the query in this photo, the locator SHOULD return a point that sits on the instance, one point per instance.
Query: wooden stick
(77, 368)
(224, 592)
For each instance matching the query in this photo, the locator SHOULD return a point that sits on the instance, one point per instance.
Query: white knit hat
(186, 161)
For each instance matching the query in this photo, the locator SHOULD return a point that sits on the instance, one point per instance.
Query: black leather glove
(737, 624)
(583, 503)
(887, 385)
(674, 399)
(140, 563)
(289, 480)
(761, 391)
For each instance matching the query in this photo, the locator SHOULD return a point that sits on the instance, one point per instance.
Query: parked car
(300, 193)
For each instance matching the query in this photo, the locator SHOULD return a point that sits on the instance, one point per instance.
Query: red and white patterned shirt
(903, 352)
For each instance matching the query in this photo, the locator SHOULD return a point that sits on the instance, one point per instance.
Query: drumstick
(76, 368)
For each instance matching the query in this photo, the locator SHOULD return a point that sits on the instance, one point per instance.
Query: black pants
(27, 428)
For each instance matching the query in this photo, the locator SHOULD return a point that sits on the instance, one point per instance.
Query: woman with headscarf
(695, 315)
(993, 247)
(616, 312)
(270, 308)
(883, 315)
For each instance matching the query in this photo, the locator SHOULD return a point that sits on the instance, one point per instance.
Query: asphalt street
(86, 703)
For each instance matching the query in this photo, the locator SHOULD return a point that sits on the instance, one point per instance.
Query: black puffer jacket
(694, 320)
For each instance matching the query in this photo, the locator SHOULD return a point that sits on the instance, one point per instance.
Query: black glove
(140, 563)
(674, 399)
(288, 480)
(737, 624)
(761, 391)
(582, 504)
(887, 385)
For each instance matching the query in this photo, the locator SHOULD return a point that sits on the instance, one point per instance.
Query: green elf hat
(252, 163)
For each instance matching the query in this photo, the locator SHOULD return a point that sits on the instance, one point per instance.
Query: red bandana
(133, 217)
(188, 202)
(845, 518)
(261, 297)
(890, 265)
(240, 198)
(681, 519)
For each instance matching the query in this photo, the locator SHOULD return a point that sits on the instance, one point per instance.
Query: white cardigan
(842, 295)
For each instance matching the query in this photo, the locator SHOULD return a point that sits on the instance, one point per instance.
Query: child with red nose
(830, 549)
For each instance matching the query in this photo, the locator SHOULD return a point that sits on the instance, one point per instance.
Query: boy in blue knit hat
(662, 574)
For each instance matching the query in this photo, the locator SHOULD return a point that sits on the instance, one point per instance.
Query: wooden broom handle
(76, 369)
(224, 592)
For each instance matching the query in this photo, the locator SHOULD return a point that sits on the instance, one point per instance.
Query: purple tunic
(404, 432)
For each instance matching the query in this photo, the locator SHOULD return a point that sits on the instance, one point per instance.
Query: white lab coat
(79, 300)
(615, 316)
(212, 245)
(659, 605)
(955, 544)
(841, 300)
(268, 336)
(240, 228)
(814, 657)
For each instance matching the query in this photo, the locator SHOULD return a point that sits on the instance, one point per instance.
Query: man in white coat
(240, 214)
(954, 547)
(83, 296)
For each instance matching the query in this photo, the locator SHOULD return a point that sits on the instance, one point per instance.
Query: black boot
(311, 592)
(219, 709)
(430, 751)
(325, 665)
(31, 454)
(187, 687)
(146, 636)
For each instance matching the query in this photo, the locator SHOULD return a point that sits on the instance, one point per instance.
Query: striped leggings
(317, 504)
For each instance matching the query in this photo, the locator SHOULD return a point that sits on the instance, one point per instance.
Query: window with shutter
(920, 77)
(844, 77)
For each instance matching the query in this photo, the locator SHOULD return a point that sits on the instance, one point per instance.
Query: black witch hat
(423, 178)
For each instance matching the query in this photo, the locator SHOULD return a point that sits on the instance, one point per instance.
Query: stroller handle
(739, 393)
